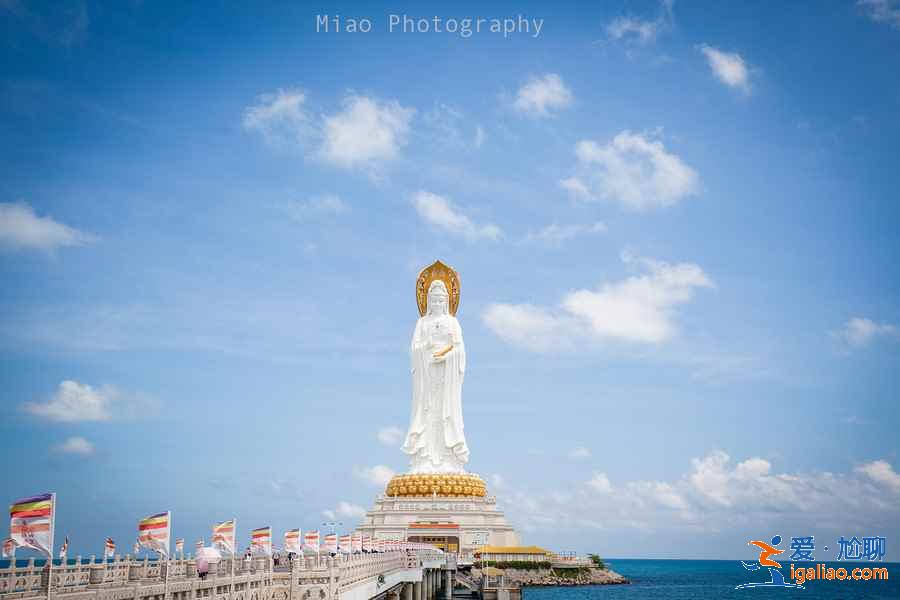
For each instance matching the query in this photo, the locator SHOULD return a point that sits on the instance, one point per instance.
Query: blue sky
(675, 226)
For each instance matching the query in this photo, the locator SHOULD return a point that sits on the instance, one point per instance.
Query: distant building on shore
(489, 554)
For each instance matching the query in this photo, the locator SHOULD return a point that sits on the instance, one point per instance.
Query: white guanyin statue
(435, 441)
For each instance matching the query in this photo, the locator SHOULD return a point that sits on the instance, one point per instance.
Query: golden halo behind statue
(437, 270)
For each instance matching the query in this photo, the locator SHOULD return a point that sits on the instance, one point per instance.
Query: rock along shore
(559, 577)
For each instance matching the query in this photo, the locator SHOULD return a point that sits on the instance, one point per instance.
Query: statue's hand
(441, 354)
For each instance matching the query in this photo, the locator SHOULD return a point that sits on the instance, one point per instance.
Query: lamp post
(332, 525)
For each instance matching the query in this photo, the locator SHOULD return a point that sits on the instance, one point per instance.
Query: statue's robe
(437, 386)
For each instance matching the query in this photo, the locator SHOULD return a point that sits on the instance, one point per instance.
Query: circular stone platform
(436, 484)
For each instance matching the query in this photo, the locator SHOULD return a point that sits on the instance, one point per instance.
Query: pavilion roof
(512, 550)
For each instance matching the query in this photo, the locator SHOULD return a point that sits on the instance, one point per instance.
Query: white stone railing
(355, 568)
(130, 579)
(88, 574)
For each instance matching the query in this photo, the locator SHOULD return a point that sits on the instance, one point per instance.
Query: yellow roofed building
(489, 554)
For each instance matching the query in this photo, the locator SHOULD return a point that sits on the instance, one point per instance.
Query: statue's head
(438, 298)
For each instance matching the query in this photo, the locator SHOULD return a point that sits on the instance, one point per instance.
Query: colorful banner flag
(261, 541)
(64, 549)
(154, 533)
(331, 543)
(292, 541)
(311, 541)
(223, 536)
(31, 522)
(109, 549)
(344, 544)
(9, 548)
(356, 543)
(179, 546)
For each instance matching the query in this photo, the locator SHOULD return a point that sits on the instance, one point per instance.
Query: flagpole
(233, 552)
(168, 549)
(52, 540)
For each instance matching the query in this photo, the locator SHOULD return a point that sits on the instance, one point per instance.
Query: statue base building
(452, 512)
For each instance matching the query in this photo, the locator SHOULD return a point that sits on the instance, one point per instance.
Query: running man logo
(776, 579)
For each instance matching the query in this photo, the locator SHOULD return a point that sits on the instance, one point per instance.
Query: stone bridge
(393, 575)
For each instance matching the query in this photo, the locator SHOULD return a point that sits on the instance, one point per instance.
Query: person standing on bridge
(202, 567)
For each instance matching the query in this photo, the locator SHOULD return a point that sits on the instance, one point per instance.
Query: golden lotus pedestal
(445, 485)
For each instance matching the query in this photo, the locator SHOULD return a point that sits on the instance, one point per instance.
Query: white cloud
(728, 67)
(365, 133)
(580, 453)
(882, 11)
(328, 204)
(531, 327)
(390, 436)
(711, 477)
(881, 472)
(345, 510)
(556, 235)
(752, 467)
(443, 125)
(859, 332)
(666, 496)
(716, 495)
(352, 511)
(578, 189)
(284, 488)
(541, 96)
(378, 476)
(639, 309)
(280, 117)
(480, 136)
(439, 212)
(633, 170)
(75, 401)
(599, 482)
(448, 128)
(642, 31)
(75, 445)
(633, 28)
(22, 229)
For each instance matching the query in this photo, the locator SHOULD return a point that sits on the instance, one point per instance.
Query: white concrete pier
(395, 575)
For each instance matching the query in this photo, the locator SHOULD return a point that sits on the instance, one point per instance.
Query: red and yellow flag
(154, 532)
(31, 522)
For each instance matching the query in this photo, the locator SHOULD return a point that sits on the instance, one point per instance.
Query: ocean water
(701, 579)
